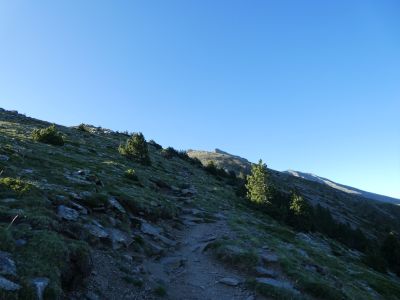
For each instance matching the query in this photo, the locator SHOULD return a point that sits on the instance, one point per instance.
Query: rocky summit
(85, 215)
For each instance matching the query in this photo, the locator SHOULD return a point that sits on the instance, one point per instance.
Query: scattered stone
(268, 257)
(27, 171)
(117, 238)
(166, 241)
(149, 229)
(265, 272)
(7, 265)
(154, 249)
(96, 230)
(276, 283)
(4, 157)
(115, 204)
(40, 285)
(8, 200)
(67, 213)
(189, 192)
(8, 285)
(219, 216)
(193, 211)
(230, 281)
(20, 242)
(173, 262)
(79, 207)
(192, 219)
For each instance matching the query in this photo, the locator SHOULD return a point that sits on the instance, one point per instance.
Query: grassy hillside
(69, 211)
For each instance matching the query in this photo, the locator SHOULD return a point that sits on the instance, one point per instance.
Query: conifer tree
(300, 213)
(257, 184)
(136, 148)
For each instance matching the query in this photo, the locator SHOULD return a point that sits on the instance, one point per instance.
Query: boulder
(230, 281)
(96, 230)
(265, 272)
(268, 257)
(149, 229)
(8, 285)
(276, 283)
(173, 262)
(4, 157)
(67, 213)
(118, 238)
(7, 264)
(116, 205)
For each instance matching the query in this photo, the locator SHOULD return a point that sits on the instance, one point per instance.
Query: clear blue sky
(308, 85)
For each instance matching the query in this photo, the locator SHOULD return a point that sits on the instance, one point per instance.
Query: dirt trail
(191, 273)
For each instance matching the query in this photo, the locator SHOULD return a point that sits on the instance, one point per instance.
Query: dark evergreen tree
(136, 149)
(391, 252)
(257, 184)
(300, 213)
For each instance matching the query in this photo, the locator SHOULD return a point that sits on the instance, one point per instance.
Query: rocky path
(191, 273)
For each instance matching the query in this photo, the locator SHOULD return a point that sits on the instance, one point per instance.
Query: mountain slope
(344, 188)
(74, 226)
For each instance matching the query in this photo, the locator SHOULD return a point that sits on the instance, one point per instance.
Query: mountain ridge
(219, 155)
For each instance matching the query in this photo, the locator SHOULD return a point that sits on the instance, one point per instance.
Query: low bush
(82, 127)
(48, 135)
(131, 175)
(14, 185)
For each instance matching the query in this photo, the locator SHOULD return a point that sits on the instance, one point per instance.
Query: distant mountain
(239, 164)
(342, 187)
(223, 160)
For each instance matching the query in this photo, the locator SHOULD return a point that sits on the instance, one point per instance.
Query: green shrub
(169, 153)
(16, 185)
(160, 291)
(136, 149)
(131, 175)
(7, 242)
(48, 135)
(82, 127)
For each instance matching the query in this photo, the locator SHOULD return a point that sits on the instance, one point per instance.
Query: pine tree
(257, 184)
(136, 148)
(300, 213)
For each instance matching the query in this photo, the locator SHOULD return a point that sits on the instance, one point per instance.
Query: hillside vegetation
(88, 213)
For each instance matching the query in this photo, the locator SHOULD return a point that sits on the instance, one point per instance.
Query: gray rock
(117, 238)
(8, 200)
(67, 213)
(79, 207)
(268, 257)
(173, 262)
(20, 242)
(219, 216)
(115, 204)
(192, 219)
(154, 249)
(276, 283)
(4, 157)
(149, 229)
(8, 285)
(7, 265)
(40, 285)
(265, 272)
(166, 241)
(230, 281)
(96, 230)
